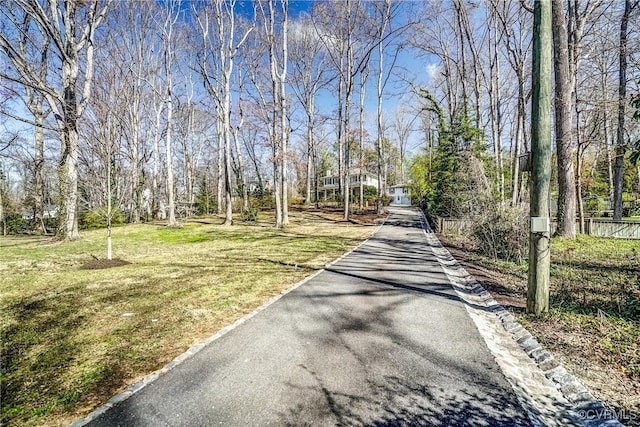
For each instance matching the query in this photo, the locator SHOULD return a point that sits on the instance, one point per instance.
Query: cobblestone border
(591, 411)
(193, 350)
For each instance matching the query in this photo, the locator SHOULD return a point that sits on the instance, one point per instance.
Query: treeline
(140, 110)
(157, 107)
(480, 105)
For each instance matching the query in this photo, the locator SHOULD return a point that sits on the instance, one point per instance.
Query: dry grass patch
(72, 337)
(593, 325)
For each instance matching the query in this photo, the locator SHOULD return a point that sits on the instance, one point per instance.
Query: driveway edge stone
(591, 411)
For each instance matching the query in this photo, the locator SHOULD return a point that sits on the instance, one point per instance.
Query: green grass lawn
(72, 337)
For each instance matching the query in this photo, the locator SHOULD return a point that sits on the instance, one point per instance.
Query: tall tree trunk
(279, 128)
(136, 192)
(226, 126)
(136, 182)
(316, 177)
(564, 150)
(242, 176)
(477, 70)
(578, 177)
(220, 171)
(276, 167)
(494, 105)
(110, 140)
(155, 180)
(379, 139)
(515, 168)
(38, 191)
(187, 162)
(346, 145)
(310, 149)
(284, 127)
(228, 213)
(347, 118)
(461, 51)
(276, 161)
(168, 62)
(341, 183)
(169, 158)
(137, 163)
(608, 147)
(68, 228)
(363, 81)
(622, 103)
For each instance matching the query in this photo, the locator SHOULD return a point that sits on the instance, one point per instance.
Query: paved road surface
(379, 339)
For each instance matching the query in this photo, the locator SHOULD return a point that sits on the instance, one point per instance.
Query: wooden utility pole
(540, 238)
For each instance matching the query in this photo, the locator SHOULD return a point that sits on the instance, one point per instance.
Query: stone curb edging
(591, 410)
(194, 349)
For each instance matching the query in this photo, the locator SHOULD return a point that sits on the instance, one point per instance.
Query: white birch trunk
(155, 189)
(283, 118)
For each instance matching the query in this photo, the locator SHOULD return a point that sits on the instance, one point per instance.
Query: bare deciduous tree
(564, 147)
(278, 58)
(70, 27)
(221, 43)
(629, 5)
(308, 56)
(514, 22)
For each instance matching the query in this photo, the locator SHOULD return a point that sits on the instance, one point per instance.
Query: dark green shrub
(16, 224)
(51, 224)
(250, 214)
(594, 206)
(370, 193)
(97, 218)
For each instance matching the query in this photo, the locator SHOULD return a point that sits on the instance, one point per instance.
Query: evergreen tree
(205, 199)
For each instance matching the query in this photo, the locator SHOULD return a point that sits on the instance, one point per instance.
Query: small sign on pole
(540, 224)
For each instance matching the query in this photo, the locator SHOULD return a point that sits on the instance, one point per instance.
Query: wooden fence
(610, 228)
(453, 226)
(600, 227)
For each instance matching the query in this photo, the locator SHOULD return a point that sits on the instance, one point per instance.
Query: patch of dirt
(368, 216)
(99, 264)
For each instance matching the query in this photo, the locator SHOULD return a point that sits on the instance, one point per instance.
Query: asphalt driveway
(380, 338)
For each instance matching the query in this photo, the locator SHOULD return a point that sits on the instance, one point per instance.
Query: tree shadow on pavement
(396, 401)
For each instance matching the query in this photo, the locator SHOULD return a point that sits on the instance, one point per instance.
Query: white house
(330, 183)
(401, 195)
(50, 211)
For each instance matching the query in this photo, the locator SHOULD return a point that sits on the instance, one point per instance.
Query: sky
(408, 66)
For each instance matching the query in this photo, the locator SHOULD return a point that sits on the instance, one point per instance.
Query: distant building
(50, 211)
(400, 194)
(329, 185)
